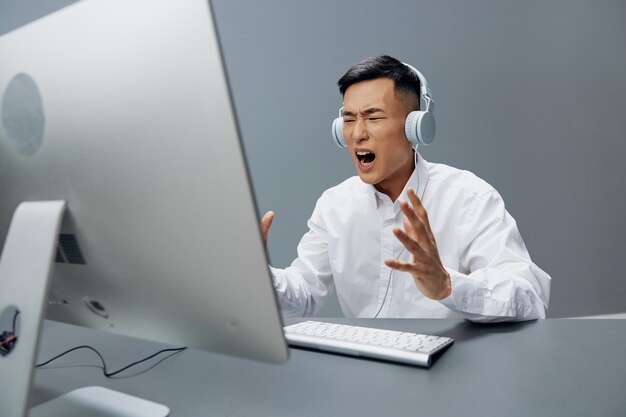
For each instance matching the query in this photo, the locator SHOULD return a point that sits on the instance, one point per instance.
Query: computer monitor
(118, 131)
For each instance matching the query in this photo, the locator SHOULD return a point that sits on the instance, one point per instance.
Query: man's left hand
(426, 268)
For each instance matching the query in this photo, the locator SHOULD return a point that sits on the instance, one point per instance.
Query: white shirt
(350, 236)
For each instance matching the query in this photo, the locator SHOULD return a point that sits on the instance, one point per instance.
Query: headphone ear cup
(337, 132)
(410, 128)
(426, 128)
(420, 128)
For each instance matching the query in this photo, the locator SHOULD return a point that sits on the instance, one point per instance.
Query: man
(407, 238)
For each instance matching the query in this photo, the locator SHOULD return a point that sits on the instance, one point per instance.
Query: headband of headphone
(419, 126)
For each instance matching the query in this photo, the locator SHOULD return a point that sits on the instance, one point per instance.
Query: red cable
(8, 339)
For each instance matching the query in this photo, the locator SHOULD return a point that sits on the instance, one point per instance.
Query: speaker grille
(68, 250)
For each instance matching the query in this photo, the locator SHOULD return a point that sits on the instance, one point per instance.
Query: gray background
(531, 96)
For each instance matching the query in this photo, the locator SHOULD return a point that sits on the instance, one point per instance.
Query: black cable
(17, 313)
(6, 347)
(104, 365)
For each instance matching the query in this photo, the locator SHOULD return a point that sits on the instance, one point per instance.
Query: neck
(393, 186)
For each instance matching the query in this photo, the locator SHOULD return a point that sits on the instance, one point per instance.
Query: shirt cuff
(277, 279)
(461, 298)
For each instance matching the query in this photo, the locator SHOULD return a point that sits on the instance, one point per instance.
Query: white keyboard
(389, 345)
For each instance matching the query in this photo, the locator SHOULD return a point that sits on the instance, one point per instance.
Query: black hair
(383, 66)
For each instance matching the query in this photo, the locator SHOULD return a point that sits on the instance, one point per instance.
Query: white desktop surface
(545, 368)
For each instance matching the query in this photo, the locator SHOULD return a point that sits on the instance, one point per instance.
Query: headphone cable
(402, 251)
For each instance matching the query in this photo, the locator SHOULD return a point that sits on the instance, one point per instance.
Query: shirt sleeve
(303, 287)
(497, 280)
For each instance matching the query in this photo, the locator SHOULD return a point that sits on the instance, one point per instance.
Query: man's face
(373, 126)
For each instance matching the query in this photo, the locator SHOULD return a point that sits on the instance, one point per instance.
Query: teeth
(362, 153)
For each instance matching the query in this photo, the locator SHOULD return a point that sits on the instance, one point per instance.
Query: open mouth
(366, 158)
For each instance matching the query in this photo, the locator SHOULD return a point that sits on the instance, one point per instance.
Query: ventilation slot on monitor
(68, 251)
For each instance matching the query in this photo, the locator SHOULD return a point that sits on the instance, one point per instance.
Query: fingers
(266, 223)
(412, 245)
(413, 225)
(408, 228)
(267, 219)
(406, 266)
(417, 203)
(400, 266)
(417, 216)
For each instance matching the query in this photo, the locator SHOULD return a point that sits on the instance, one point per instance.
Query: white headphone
(419, 126)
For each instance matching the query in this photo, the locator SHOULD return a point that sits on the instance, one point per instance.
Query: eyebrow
(364, 112)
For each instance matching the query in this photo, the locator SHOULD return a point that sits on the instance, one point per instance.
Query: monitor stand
(25, 270)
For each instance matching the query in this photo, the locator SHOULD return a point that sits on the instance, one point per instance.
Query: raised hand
(266, 222)
(417, 237)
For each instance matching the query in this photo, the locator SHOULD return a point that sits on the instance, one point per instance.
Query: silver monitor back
(122, 109)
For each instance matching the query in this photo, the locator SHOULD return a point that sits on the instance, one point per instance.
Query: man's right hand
(266, 222)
